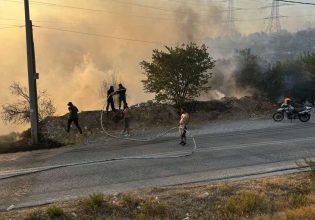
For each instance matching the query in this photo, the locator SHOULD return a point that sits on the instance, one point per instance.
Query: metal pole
(32, 76)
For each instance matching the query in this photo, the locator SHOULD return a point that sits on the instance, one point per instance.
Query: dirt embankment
(152, 115)
(144, 117)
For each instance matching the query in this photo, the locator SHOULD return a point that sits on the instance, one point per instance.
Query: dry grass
(246, 203)
(287, 197)
(55, 212)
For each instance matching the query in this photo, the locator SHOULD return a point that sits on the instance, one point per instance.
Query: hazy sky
(72, 65)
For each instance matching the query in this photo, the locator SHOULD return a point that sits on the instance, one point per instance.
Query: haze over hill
(272, 47)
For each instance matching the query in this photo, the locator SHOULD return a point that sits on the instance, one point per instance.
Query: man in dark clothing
(122, 95)
(110, 99)
(73, 117)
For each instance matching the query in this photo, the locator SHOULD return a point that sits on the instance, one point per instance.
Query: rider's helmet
(287, 101)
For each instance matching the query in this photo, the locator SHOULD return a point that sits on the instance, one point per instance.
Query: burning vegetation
(249, 74)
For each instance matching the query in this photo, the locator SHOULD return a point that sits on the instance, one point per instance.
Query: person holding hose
(122, 95)
(110, 99)
(184, 119)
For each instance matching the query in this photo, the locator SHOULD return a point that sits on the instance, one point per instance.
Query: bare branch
(19, 111)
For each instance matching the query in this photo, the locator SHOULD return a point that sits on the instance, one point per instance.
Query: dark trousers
(122, 99)
(110, 102)
(76, 122)
(183, 134)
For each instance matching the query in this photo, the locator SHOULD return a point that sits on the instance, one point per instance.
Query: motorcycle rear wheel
(278, 116)
(304, 117)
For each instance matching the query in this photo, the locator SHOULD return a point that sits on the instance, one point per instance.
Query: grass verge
(288, 197)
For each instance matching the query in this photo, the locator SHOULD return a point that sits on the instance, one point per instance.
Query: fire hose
(12, 174)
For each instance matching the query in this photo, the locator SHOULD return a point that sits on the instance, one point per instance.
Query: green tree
(179, 74)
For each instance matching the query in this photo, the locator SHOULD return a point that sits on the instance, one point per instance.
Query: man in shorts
(184, 119)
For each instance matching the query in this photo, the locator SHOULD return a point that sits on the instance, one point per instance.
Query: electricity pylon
(274, 25)
(231, 30)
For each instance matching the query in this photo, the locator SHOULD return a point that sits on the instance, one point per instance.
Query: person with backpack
(184, 119)
(73, 117)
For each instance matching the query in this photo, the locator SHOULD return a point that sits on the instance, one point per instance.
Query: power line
(12, 25)
(296, 2)
(15, 25)
(127, 3)
(10, 19)
(201, 23)
(118, 38)
(90, 9)
(160, 18)
(98, 35)
(9, 27)
(96, 10)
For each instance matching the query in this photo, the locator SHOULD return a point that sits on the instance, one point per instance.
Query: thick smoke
(284, 47)
(72, 66)
(196, 26)
(223, 83)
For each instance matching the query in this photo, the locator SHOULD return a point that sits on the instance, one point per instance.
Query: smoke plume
(72, 66)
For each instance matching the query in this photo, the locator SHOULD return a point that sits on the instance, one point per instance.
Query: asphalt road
(226, 150)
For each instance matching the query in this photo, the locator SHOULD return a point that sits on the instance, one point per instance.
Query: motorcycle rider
(293, 111)
(288, 103)
(286, 100)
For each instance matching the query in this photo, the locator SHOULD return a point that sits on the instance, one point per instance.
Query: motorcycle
(303, 113)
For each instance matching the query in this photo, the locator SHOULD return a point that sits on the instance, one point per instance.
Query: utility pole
(32, 75)
(274, 18)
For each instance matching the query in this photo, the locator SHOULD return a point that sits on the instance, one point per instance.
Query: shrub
(245, 203)
(311, 164)
(299, 200)
(93, 203)
(142, 212)
(96, 199)
(54, 212)
(34, 215)
(130, 202)
(160, 210)
(305, 213)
